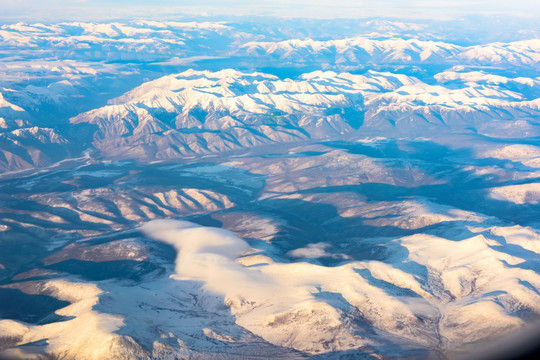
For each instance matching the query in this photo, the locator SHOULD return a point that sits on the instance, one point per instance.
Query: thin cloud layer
(54, 10)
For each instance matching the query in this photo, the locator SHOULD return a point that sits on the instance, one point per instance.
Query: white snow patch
(517, 194)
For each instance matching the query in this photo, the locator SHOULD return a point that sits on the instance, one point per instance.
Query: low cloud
(271, 300)
(208, 254)
(317, 250)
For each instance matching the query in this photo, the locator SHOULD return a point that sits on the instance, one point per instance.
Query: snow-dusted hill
(384, 248)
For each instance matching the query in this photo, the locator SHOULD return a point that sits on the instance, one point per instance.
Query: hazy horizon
(99, 10)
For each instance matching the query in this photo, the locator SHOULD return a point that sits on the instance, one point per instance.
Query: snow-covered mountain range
(209, 112)
(417, 85)
(198, 112)
(242, 189)
(354, 51)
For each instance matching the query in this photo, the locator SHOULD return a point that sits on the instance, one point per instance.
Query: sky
(61, 10)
